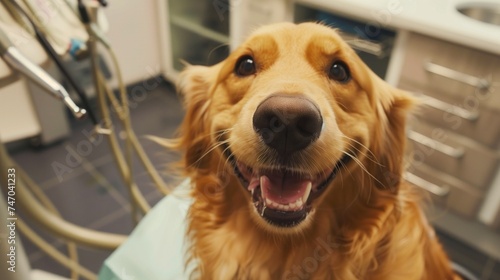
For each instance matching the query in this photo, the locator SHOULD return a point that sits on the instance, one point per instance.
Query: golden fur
(366, 225)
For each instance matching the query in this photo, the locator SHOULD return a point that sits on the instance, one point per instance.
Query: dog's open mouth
(281, 196)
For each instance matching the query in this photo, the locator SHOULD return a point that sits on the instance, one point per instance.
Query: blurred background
(445, 52)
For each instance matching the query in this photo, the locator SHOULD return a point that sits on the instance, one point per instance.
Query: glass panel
(212, 14)
(195, 49)
(199, 31)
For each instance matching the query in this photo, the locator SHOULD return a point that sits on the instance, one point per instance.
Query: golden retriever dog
(295, 151)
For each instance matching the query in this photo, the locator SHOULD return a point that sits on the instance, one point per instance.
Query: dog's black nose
(287, 123)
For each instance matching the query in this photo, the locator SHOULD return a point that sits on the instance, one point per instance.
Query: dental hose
(75, 268)
(40, 195)
(148, 165)
(125, 170)
(123, 108)
(41, 210)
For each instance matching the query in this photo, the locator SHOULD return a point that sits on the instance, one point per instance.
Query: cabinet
(456, 135)
(454, 149)
(194, 32)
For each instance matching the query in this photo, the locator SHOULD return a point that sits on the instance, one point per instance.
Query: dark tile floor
(83, 182)
(91, 192)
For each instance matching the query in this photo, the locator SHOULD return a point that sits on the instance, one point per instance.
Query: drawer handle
(426, 185)
(446, 107)
(374, 48)
(436, 145)
(437, 69)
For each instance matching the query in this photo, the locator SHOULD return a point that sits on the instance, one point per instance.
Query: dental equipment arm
(19, 62)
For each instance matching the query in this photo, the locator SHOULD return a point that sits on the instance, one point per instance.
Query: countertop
(436, 18)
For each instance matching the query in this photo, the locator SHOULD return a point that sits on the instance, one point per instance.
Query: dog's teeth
(307, 192)
(286, 207)
(268, 202)
(299, 203)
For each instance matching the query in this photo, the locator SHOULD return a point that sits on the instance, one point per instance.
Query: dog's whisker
(215, 146)
(226, 159)
(368, 151)
(359, 163)
(219, 133)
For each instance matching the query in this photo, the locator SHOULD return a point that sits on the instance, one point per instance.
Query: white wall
(133, 32)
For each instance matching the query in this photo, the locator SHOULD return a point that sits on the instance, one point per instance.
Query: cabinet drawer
(446, 190)
(451, 153)
(481, 125)
(468, 76)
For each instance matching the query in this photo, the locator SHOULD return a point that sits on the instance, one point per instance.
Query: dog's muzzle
(282, 193)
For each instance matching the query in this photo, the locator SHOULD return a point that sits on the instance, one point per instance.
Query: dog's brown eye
(339, 72)
(245, 66)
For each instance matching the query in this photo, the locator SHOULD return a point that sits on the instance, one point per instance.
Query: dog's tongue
(284, 188)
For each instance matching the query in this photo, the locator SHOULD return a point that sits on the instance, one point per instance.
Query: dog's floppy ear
(385, 160)
(195, 84)
(388, 146)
